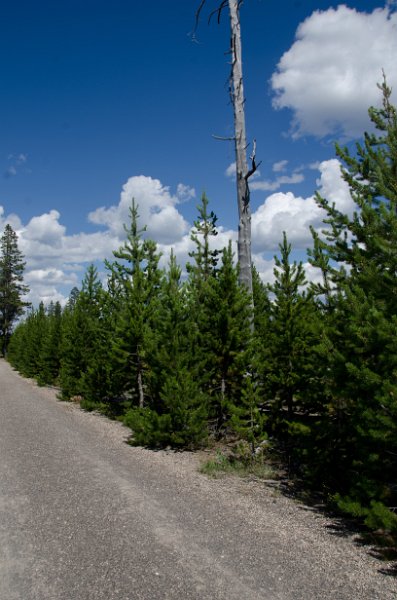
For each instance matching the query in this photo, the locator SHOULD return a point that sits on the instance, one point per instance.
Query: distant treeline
(311, 368)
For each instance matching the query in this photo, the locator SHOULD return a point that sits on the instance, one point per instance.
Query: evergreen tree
(205, 256)
(221, 327)
(185, 416)
(229, 321)
(290, 381)
(248, 419)
(262, 304)
(364, 245)
(183, 420)
(221, 308)
(35, 331)
(98, 383)
(136, 276)
(361, 332)
(288, 352)
(16, 351)
(73, 296)
(80, 335)
(49, 357)
(12, 288)
(73, 355)
(323, 290)
(93, 303)
(176, 411)
(172, 343)
(202, 271)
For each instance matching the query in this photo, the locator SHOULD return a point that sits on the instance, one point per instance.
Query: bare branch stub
(224, 139)
(196, 21)
(218, 11)
(197, 16)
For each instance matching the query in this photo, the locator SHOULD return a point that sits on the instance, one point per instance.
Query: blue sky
(102, 101)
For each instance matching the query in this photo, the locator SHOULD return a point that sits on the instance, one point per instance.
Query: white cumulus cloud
(334, 188)
(293, 214)
(185, 192)
(56, 260)
(12, 219)
(328, 77)
(156, 207)
(270, 186)
(45, 284)
(281, 165)
(284, 212)
(45, 229)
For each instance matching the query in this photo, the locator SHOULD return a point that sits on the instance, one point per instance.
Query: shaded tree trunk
(140, 387)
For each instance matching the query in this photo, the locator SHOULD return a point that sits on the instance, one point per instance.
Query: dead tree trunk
(240, 141)
(243, 172)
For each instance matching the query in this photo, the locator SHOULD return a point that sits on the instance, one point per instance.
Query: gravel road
(84, 516)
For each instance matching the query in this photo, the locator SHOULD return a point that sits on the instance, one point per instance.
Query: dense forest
(309, 373)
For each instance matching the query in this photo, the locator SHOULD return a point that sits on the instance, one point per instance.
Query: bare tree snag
(240, 144)
(243, 172)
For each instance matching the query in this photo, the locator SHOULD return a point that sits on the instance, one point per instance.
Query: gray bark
(140, 388)
(242, 172)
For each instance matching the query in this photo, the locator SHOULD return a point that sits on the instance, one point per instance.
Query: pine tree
(50, 358)
(35, 326)
(202, 272)
(176, 411)
(185, 416)
(229, 321)
(183, 420)
(98, 383)
(205, 256)
(248, 419)
(12, 288)
(323, 290)
(172, 344)
(362, 326)
(261, 302)
(221, 330)
(288, 353)
(16, 351)
(364, 245)
(80, 334)
(182, 397)
(93, 305)
(289, 386)
(136, 276)
(72, 350)
(219, 306)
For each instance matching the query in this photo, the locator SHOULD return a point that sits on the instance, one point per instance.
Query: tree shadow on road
(377, 544)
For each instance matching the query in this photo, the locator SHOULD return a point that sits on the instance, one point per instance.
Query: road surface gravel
(84, 516)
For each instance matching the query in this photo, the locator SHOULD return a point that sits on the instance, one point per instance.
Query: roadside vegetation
(310, 375)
